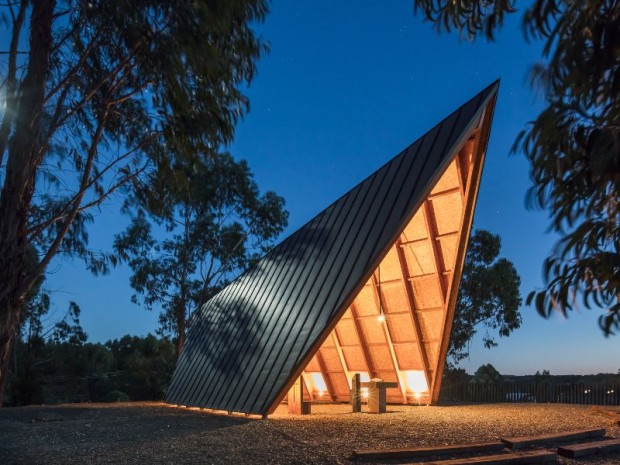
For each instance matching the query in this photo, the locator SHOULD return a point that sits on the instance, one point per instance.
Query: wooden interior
(397, 327)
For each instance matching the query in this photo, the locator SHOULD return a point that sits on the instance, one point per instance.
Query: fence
(532, 392)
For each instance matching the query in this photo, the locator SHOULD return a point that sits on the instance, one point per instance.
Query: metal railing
(592, 394)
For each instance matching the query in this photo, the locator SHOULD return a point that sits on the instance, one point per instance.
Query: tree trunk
(24, 157)
(7, 336)
(180, 338)
(180, 317)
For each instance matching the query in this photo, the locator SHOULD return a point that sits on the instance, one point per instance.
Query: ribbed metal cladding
(246, 344)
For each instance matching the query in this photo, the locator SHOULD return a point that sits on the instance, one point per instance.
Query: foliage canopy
(573, 145)
(215, 224)
(489, 296)
(486, 374)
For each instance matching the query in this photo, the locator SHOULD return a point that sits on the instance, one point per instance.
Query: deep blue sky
(345, 87)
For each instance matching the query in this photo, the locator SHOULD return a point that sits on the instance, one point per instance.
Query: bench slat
(513, 458)
(420, 452)
(553, 438)
(589, 448)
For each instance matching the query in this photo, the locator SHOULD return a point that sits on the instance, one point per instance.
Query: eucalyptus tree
(191, 234)
(487, 374)
(573, 145)
(489, 296)
(97, 94)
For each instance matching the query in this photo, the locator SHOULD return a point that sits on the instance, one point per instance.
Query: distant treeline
(488, 374)
(131, 368)
(598, 379)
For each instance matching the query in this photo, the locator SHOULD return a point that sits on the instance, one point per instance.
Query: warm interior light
(381, 318)
(415, 382)
(315, 383)
(364, 377)
(365, 393)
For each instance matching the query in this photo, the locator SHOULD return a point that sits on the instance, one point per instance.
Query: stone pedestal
(377, 395)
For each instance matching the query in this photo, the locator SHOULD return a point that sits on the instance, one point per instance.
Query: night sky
(346, 86)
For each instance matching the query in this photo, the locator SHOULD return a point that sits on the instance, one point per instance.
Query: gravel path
(153, 433)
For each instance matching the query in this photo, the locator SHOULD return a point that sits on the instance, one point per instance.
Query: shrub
(115, 396)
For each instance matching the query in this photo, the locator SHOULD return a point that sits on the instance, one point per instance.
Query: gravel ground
(149, 433)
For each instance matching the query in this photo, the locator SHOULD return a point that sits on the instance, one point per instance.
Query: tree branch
(113, 188)
(37, 229)
(73, 71)
(10, 5)
(128, 95)
(58, 122)
(92, 153)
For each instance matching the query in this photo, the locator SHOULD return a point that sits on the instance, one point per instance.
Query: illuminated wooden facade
(367, 286)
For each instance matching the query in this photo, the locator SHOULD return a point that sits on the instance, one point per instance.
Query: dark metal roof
(249, 340)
